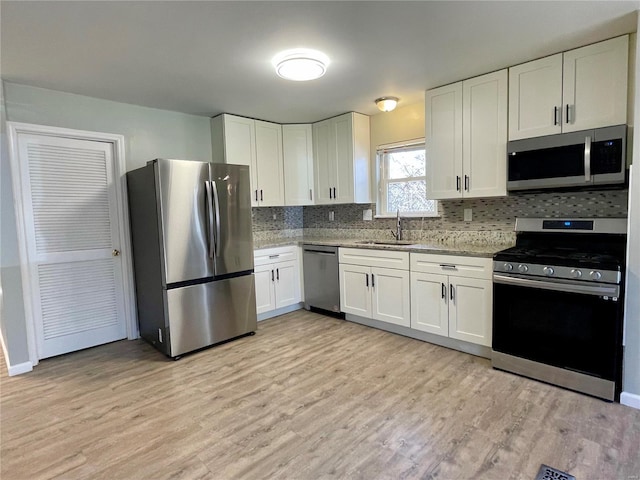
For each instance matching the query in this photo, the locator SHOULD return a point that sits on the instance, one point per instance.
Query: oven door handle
(590, 289)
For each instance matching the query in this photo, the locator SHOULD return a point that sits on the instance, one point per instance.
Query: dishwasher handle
(320, 252)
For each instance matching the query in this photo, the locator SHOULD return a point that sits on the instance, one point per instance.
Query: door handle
(555, 115)
(278, 274)
(216, 202)
(567, 110)
(261, 196)
(457, 183)
(330, 193)
(587, 159)
(272, 278)
(115, 252)
(256, 195)
(334, 193)
(373, 281)
(444, 291)
(366, 276)
(466, 182)
(311, 194)
(452, 294)
(209, 201)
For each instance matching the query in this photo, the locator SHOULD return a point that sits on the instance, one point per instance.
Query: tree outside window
(402, 182)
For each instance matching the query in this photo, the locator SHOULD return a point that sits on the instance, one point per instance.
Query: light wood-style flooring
(307, 397)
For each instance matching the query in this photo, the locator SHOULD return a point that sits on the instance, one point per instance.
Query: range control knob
(522, 268)
(508, 267)
(595, 275)
(548, 271)
(575, 273)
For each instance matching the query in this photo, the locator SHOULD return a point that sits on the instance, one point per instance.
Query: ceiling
(208, 57)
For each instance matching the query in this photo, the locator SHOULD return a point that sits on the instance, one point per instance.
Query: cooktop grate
(548, 473)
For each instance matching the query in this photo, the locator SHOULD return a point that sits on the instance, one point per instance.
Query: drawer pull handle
(446, 266)
(274, 256)
(366, 276)
(444, 291)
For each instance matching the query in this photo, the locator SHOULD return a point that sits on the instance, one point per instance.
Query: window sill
(410, 215)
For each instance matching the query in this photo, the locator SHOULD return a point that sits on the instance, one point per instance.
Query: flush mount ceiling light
(300, 64)
(386, 104)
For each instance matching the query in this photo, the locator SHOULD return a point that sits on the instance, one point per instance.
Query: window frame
(383, 180)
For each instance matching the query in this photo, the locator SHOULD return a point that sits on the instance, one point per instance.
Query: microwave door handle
(587, 159)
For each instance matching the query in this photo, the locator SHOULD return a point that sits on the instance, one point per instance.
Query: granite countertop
(420, 246)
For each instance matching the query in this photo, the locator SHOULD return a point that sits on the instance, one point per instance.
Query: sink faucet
(398, 233)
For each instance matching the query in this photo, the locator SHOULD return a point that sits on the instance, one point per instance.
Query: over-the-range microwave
(577, 159)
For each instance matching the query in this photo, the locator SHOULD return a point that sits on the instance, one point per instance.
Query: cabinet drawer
(374, 258)
(267, 256)
(470, 267)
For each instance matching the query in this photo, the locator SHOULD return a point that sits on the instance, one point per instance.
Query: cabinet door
(269, 162)
(287, 284)
(323, 169)
(342, 133)
(265, 294)
(595, 85)
(443, 142)
(535, 98)
(355, 290)
(297, 150)
(429, 303)
(240, 146)
(484, 135)
(470, 310)
(390, 296)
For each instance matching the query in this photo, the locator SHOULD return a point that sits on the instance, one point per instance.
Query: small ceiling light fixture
(387, 104)
(300, 64)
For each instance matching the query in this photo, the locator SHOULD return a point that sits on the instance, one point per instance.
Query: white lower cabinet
(277, 278)
(375, 292)
(452, 296)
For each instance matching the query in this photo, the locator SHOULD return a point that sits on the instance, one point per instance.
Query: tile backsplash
(488, 214)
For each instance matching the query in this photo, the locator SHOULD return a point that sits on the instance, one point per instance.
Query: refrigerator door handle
(209, 200)
(216, 201)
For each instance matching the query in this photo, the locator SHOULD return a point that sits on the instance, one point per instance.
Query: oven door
(570, 325)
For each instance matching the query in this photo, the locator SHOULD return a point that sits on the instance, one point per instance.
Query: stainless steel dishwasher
(321, 277)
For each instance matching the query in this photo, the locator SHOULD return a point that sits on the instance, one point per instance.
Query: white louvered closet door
(72, 242)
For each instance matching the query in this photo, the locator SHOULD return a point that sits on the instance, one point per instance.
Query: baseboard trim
(460, 345)
(280, 311)
(20, 368)
(14, 369)
(630, 400)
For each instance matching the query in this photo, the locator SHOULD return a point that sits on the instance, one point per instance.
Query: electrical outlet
(468, 215)
(367, 215)
(332, 216)
(274, 216)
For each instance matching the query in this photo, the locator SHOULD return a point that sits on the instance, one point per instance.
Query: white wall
(12, 325)
(149, 133)
(631, 372)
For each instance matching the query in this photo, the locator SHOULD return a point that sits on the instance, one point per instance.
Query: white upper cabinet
(535, 98)
(443, 125)
(297, 148)
(341, 159)
(269, 164)
(571, 91)
(466, 138)
(245, 141)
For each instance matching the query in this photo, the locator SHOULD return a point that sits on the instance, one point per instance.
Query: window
(402, 181)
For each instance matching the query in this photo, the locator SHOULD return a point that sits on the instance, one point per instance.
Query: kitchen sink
(385, 242)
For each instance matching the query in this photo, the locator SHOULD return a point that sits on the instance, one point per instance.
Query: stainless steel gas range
(558, 306)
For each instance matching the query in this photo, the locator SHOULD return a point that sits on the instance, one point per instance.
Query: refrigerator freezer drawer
(209, 313)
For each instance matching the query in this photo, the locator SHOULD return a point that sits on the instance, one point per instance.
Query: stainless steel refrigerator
(192, 253)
